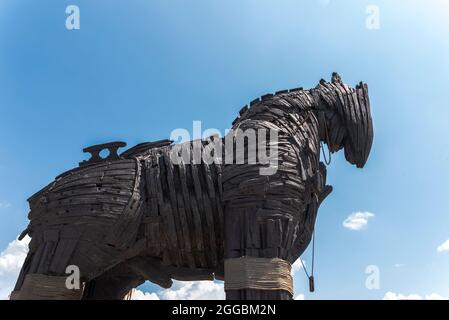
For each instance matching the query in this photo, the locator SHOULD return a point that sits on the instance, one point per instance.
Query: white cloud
(196, 290)
(185, 290)
(358, 220)
(11, 260)
(444, 246)
(140, 295)
(413, 296)
(297, 266)
(434, 296)
(299, 297)
(399, 265)
(399, 296)
(4, 204)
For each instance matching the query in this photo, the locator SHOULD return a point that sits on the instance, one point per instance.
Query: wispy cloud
(324, 2)
(4, 204)
(11, 260)
(358, 220)
(444, 246)
(413, 296)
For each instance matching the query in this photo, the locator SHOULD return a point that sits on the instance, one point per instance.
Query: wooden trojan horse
(159, 212)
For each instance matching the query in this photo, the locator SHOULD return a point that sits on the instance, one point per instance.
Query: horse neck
(291, 110)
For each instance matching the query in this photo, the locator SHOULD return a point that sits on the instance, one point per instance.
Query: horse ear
(336, 78)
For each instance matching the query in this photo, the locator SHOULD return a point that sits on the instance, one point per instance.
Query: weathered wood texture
(44, 287)
(139, 216)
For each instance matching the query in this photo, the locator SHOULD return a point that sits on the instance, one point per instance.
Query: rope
(310, 277)
(258, 273)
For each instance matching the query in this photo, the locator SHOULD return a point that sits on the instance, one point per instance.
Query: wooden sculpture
(140, 216)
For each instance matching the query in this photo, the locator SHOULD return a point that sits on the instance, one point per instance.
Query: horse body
(143, 217)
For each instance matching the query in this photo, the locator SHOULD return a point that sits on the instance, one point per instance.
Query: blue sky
(136, 70)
